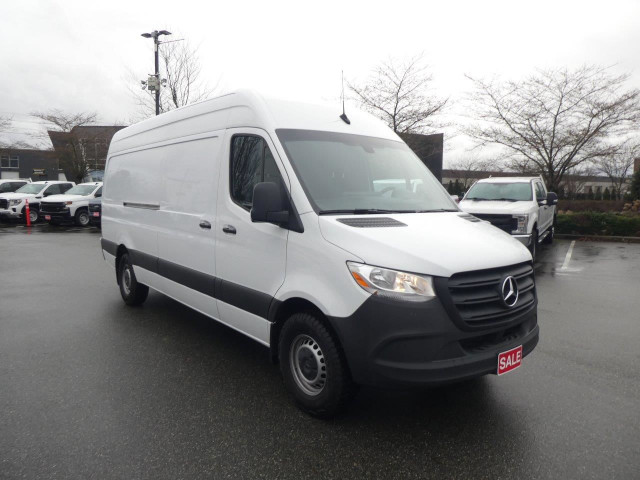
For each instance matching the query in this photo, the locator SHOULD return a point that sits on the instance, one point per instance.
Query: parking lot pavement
(90, 388)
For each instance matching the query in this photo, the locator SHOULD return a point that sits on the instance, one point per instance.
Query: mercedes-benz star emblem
(510, 291)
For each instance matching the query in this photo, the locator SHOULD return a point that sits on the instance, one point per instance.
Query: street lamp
(156, 84)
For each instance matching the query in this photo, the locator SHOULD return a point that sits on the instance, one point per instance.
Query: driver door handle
(205, 224)
(229, 229)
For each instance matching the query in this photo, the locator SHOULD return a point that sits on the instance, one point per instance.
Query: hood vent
(469, 217)
(376, 222)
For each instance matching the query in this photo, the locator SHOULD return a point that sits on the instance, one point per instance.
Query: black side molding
(239, 296)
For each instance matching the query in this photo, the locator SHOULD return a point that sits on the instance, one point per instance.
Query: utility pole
(153, 83)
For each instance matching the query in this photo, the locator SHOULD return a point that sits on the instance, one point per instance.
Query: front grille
(503, 222)
(475, 298)
(52, 207)
(4, 203)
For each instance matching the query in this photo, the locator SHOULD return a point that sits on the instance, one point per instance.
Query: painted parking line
(567, 258)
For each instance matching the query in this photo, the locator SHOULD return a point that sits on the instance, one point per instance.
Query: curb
(597, 238)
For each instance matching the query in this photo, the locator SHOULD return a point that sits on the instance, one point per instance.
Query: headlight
(523, 221)
(15, 202)
(391, 283)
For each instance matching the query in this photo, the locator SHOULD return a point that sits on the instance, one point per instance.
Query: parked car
(277, 222)
(8, 185)
(13, 205)
(95, 211)
(73, 206)
(520, 206)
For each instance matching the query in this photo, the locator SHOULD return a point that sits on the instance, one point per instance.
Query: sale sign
(509, 360)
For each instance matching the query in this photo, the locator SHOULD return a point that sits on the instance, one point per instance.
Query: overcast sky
(74, 54)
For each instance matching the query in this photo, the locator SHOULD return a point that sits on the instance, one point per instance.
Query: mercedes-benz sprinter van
(323, 238)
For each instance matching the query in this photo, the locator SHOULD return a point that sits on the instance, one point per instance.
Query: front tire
(533, 248)
(313, 368)
(133, 293)
(82, 218)
(34, 215)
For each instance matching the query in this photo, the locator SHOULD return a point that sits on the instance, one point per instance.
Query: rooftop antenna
(344, 117)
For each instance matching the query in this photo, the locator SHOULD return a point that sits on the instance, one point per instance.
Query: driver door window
(52, 190)
(251, 162)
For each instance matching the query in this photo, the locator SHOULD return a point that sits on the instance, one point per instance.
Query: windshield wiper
(506, 200)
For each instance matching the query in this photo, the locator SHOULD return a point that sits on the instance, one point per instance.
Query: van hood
(488, 206)
(65, 198)
(438, 244)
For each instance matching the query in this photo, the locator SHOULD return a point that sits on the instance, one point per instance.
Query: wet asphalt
(90, 388)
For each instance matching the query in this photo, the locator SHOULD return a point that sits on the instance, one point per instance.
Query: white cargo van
(325, 239)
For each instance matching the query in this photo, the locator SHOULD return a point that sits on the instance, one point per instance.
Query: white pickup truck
(521, 206)
(73, 206)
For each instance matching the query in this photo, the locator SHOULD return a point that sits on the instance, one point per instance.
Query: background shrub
(597, 223)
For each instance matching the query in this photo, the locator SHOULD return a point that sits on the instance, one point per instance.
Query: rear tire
(133, 293)
(313, 368)
(82, 218)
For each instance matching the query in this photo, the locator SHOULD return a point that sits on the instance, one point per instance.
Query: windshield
(344, 173)
(508, 192)
(31, 188)
(81, 190)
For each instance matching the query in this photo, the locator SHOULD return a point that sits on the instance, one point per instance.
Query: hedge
(596, 223)
(591, 205)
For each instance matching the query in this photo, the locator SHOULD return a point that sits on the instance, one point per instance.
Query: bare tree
(554, 120)
(469, 167)
(180, 67)
(73, 156)
(398, 92)
(618, 166)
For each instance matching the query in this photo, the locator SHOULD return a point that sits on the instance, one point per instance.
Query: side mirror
(269, 204)
(552, 198)
(97, 195)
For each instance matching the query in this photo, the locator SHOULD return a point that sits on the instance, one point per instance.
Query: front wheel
(533, 248)
(313, 368)
(133, 293)
(82, 218)
(34, 215)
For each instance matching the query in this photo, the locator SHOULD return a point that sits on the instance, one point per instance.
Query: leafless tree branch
(554, 120)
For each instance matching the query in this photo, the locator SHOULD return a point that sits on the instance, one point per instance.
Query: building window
(9, 161)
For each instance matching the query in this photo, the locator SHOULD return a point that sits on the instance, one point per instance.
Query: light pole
(156, 84)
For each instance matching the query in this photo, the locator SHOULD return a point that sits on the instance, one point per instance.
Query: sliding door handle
(229, 229)
(205, 224)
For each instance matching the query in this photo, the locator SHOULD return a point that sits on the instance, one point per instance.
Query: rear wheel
(133, 293)
(313, 367)
(82, 218)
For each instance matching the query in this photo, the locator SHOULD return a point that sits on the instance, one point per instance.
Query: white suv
(521, 206)
(73, 206)
(13, 205)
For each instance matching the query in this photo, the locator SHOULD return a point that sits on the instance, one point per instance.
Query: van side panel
(131, 201)
(186, 251)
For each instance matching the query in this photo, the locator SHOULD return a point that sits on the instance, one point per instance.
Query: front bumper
(63, 216)
(524, 239)
(10, 213)
(390, 343)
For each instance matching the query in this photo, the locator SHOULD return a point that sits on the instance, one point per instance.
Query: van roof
(246, 108)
